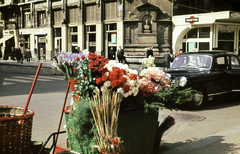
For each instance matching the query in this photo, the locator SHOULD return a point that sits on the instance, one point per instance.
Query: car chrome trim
(236, 90)
(218, 93)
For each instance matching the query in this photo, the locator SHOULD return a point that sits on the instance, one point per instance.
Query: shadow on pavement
(212, 144)
(15, 80)
(223, 101)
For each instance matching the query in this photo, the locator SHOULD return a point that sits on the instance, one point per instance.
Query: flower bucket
(74, 142)
(137, 130)
(15, 136)
(73, 89)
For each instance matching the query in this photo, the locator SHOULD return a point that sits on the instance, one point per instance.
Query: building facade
(96, 25)
(207, 31)
(206, 25)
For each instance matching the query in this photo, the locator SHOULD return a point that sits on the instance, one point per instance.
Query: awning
(5, 38)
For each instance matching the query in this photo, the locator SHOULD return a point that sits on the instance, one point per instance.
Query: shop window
(226, 32)
(192, 33)
(191, 46)
(201, 32)
(203, 45)
(204, 32)
(41, 18)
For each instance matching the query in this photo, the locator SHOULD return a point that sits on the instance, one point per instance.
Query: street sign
(191, 20)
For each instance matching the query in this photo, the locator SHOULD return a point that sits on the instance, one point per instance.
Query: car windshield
(192, 61)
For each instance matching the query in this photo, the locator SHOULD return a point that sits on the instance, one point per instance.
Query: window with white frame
(74, 37)
(27, 22)
(41, 18)
(197, 39)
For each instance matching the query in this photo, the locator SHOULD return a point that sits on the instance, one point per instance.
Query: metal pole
(62, 113)
(31, 90)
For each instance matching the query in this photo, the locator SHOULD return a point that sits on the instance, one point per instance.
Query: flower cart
(100, 121)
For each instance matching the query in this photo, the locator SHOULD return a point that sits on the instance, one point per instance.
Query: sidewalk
(225, 142)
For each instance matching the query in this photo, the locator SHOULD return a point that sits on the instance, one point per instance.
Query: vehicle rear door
(235, 73)
(220, 82)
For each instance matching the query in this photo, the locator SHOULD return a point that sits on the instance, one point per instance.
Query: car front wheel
(199, 99)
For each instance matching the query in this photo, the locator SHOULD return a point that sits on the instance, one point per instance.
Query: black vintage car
(211, 73)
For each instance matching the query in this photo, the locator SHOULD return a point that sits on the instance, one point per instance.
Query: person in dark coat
(120, 54)
(13, 54)
(166, 59)
(28, 54)
(18, 54)
(149, 51)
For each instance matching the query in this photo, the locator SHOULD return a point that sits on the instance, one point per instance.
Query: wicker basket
(15, 137)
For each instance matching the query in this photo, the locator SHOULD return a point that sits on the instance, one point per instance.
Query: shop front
(209, 31)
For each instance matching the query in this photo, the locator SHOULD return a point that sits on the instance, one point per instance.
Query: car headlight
(168, 76)
(182, 81)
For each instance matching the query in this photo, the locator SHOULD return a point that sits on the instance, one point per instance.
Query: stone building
(96, 25)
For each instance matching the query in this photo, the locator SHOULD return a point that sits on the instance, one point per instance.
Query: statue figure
(146, 27)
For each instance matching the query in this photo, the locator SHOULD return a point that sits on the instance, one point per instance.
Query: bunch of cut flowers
(153, 80)
(68, 62)
(88, 73)
(147, 62)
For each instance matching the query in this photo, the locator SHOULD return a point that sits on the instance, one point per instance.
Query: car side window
(235, 63)
(220, 63)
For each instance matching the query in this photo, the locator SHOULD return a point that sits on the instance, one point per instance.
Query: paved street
(215, 129)
(46, 101)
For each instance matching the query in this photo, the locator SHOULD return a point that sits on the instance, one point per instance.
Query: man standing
(120, 54)
(79, 50)
(166, 59)
(13, 54)
(149, 51)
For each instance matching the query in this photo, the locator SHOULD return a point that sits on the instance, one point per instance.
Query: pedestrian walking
(120, 54)
(149, 51)
(28, 54)
(79, 50)
(18, 54)
(55, 60)
(0, 54)
(75, 50)
(166, 59)
(13, 54)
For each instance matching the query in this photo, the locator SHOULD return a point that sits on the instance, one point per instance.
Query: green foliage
(86, 83)
(169, 98)
(81, 120)
(67, 70)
